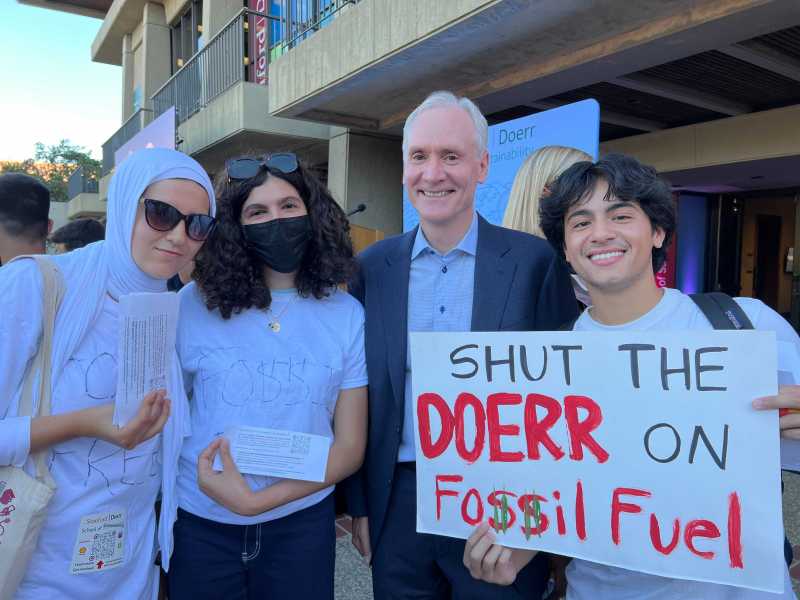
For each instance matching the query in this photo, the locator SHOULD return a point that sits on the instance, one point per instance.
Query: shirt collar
(467, 245)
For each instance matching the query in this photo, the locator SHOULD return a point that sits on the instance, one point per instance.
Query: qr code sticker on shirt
(103, 545)
(100, 543)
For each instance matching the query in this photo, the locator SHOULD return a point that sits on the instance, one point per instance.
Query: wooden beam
(765, 57)
(610, 117)
(679, 93)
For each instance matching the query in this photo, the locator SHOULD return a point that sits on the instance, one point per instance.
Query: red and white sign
(639, 450)
(259, 43)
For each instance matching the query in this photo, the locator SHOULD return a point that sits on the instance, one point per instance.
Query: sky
(49, 87)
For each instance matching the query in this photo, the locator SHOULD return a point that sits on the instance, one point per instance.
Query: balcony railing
(240, 51)
(299, 19)
(219, 65)
(129, 128)
(81, 183)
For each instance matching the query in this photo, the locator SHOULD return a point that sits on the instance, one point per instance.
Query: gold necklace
(275, 324)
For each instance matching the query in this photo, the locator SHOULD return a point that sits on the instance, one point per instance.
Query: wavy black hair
(231, 278)
(628, 180)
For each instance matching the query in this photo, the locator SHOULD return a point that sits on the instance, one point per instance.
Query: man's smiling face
(443, 166)
(610, 242)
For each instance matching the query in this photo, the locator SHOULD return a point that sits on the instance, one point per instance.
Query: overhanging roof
(122, 18)
(87, 8)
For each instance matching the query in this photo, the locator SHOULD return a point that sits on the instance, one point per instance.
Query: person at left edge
(455, 272)
(160, 209)
(267, 339)
(24, 216)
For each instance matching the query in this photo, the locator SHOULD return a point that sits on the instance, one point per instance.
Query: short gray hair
(443, 99)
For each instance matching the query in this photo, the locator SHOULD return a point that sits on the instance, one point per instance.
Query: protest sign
(576, 125)
(634, 449)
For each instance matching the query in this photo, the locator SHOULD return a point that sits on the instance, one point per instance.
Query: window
(185, 34)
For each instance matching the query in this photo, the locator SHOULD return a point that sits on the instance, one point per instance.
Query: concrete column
(365, 168)
(337, 164)
(216, 14)
(127, 77)
(155, 50)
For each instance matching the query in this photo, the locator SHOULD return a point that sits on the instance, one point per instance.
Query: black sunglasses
(164, 217)
(245, 168)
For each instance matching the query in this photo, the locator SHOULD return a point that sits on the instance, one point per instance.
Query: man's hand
(788, 404)
(148, 422)
(226, 487)
(361, 537)
(492, 562)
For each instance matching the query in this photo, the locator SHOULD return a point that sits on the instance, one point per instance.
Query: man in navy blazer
(455, 272)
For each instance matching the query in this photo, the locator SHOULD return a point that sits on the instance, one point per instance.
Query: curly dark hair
(628, 180)
(230, 277)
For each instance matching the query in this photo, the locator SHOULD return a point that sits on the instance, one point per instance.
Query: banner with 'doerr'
(634, 449)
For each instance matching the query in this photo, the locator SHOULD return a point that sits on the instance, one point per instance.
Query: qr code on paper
(301, 444)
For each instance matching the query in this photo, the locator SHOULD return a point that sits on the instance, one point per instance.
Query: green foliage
(53, 165)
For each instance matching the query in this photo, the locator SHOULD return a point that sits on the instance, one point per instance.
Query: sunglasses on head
(246, 168)
(164, 217)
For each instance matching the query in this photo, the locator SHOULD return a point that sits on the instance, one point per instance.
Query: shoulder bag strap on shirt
(722, 311)
(53, 292)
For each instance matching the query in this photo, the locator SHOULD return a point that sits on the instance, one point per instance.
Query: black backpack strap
(722, 311)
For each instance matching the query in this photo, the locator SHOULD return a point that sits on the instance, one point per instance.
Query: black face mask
(280, 243)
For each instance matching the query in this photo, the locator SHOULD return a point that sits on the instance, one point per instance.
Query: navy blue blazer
(520, 285)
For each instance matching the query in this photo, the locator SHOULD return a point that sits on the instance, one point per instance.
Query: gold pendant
(275, 326)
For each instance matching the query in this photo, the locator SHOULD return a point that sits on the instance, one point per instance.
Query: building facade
(707, 91)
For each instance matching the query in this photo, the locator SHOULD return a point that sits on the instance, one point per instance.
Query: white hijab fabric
(108, 266)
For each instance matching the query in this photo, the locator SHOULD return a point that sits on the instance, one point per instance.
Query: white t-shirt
(93, 476)
(242, 373)
(593, 581)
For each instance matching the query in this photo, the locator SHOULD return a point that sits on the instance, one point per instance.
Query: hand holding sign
(489, 561)
(788, 404)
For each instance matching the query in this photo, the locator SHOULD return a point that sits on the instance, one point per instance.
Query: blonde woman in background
(538, 172)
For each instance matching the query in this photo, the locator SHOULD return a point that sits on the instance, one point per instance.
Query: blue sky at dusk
(51, 89)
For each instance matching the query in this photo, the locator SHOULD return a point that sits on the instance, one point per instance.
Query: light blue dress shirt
(440, 290)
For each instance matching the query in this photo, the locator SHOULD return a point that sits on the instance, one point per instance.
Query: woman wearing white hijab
(160, 209)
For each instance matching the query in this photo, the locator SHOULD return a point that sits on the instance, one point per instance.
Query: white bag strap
(53, 292)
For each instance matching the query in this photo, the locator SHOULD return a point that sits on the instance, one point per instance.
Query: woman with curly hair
(266, 339)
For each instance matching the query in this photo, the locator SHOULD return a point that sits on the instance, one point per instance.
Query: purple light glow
(690, 260)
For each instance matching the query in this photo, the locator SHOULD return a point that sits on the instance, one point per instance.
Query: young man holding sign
(455, 272)
(612, 221)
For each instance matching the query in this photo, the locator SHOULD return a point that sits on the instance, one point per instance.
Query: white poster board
(640, 449)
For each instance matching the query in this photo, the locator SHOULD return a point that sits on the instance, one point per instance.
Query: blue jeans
(288, 558)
